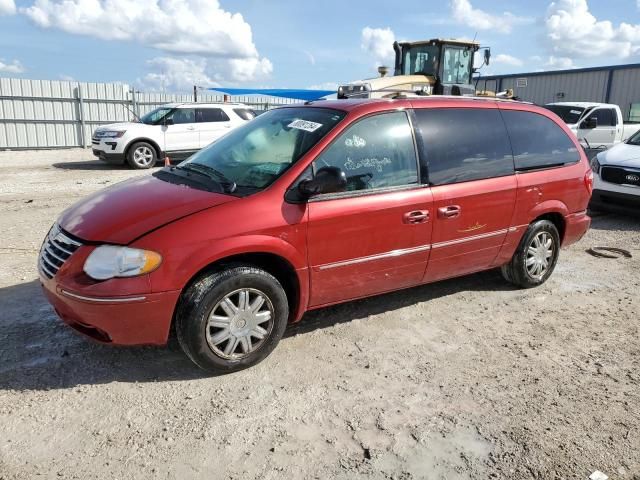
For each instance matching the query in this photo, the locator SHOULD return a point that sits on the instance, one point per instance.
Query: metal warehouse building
(619, 84)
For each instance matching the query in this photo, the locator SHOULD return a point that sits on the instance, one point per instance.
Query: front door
(375, 236)
(604, 135)
(213, 123)
(470, 168)
(182, 133)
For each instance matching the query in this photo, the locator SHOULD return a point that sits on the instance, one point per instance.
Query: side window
(537, 141)
(464, 144)
(183, 115)
(376, 152)
(207, 115)
(245, 113)
(605, 116)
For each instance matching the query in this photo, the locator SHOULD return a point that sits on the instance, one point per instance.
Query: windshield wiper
(203, 169)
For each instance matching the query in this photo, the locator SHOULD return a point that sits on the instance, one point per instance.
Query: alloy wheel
(239, 323)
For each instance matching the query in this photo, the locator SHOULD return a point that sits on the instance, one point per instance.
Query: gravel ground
(467, 378)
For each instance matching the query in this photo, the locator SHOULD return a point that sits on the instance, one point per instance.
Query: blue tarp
(277, 92)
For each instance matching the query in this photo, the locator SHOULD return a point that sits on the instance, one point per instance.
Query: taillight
(588, 181)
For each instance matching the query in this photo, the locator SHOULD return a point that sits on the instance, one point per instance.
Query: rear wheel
(142, 155)
(536, 257)
(233, 319)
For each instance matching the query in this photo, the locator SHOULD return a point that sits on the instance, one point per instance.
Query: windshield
(634, 139)
(252, 156)
(569, 114)
(421, 60)
(154, 116)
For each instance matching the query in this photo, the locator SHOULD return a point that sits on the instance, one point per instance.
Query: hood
(621, 154)
(127, 210)
(116, 126)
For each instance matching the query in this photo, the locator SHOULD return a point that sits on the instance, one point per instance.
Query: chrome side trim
(379, 256)
(470, 239)
(103, 299)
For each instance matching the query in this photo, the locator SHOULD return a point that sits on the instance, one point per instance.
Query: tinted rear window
(537, 141)
(245, 113)
(463, 144)
(212, 115)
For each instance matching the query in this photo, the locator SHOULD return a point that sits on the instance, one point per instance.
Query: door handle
(191, 128)
(450, 211)
(417, 216)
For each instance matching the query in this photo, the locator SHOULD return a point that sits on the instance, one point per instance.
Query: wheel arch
(553, 210)
(275, 264)
(151, 142)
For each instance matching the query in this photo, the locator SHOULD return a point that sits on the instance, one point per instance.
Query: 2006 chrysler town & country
(311, 205)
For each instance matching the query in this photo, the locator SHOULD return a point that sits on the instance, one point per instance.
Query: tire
(211, 345)
(530, 268)
(141, 155)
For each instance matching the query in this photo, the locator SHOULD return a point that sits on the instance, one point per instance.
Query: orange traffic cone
(167, 161)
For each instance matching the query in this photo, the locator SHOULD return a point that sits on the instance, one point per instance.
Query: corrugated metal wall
(625, 89)
(587, 85)
(57, 114)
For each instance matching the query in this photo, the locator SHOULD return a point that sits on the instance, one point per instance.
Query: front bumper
(114, 158)
(625, 203)
(141, 319)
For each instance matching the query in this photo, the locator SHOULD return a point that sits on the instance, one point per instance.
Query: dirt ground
(467, 378)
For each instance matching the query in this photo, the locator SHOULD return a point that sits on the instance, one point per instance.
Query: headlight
(110, 261)
(110, 133)
(595, 164)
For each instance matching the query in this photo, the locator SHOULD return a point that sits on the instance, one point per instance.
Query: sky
(171, 45)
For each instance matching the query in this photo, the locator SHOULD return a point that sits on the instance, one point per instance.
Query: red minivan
(311, 205)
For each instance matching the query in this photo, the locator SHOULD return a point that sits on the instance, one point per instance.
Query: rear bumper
(626, 203)
(114, 158)
(576, 225)
(132, 320)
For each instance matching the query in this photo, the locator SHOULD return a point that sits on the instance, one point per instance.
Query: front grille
(56, 249)
(620, 175)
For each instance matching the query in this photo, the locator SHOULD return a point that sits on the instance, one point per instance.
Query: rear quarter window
(537, 141)
(463, 144)
(245, 113)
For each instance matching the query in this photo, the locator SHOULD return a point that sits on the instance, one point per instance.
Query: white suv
(176, 129)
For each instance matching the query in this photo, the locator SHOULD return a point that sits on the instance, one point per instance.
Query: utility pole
(195, 94)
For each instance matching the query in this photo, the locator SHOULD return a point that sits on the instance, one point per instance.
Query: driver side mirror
(590, 123)
(326, 180)
(167, 121)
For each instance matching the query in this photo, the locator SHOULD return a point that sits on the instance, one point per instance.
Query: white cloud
(176, 74)
(200, 27)
(559, 63)
(463, 12)
(573, 31)
(7, 7)
(66, 78)
(13, 67)
(378, 42)
(181, 74)
(504, 59)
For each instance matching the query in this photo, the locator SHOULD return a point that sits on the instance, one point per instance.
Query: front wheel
(232, 319)
(141, 155)
(536, 256)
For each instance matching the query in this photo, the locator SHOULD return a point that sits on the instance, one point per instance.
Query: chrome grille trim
(56, 249)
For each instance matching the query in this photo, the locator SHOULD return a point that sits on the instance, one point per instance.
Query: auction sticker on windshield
(305, 125)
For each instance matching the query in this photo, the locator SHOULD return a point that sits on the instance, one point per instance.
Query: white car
(616, 175)
(176, 129)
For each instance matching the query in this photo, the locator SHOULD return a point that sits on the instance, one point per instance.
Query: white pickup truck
(597, 125)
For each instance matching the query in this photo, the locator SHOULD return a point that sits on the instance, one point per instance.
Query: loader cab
(449, 63)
